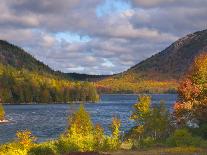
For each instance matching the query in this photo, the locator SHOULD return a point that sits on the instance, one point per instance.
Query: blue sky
(110, 6)
(98, 36)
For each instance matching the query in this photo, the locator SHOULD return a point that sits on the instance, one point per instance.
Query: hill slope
(175, 60)
(160, 72)
(16, 57)
(86, 77)
(23, 79)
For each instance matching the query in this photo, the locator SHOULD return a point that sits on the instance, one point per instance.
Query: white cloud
(117, 41)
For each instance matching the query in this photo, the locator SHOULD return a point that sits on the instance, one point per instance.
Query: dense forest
(131, 83)
(23, 79)
(23, 86)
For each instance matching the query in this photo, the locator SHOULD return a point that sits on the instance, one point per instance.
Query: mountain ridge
(173, 61)
(17, 57)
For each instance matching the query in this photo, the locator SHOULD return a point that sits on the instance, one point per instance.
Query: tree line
(23, 86)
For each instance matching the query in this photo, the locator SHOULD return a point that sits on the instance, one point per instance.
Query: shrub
(2, 112)
(25, 139)
(20, 146)
(200, 131)
(64, 145)
(83, 136)
(12, 149)
(41, 150)
(182, 137)
(143, 143)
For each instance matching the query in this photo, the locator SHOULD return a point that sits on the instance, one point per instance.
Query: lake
(48, 121)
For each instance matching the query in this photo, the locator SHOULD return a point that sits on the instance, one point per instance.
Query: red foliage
(192, 104)
(188, 90)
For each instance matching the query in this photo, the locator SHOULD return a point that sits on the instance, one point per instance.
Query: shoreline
(4, 121)
(86, 102)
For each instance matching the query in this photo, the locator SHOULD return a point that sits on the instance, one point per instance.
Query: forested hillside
(161, 72)
(86, 77)
(175, 60)
(23, 79)
(16, 57)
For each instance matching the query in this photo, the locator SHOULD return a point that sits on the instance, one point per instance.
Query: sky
(98, 36)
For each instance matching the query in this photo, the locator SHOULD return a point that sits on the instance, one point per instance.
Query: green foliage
(200, 131)
(80, 122)
(115, 138)
(18, 58)
(23, 86)
(83, 136)
(158, 124)
(2, 112)
(42, 149)
(182, 137)
(151, 121)
(25, 139)
(22, 144)
(141, 110)
(143, 143)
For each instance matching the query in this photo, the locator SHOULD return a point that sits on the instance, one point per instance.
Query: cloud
(124, 33)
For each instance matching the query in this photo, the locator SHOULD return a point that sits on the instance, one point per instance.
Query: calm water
(49, 121)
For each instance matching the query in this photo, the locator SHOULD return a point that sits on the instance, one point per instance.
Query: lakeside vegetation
(156, 131)
(182, 131)
(2, 112)
(132, 83)
(23, 86)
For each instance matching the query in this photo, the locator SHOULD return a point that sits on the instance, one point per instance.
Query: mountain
(23, 79)
(160, 72)
(174, 61)
(16, 57)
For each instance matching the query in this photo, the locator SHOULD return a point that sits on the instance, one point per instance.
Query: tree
(25, 139)
(80, 122)
(151, 121)
(2, 112)
(139, 115)
(158, 123)
(20, 85)
(115, 137)
(192, 103)
(141, 110)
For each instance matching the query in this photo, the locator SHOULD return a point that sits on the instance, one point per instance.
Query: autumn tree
(2, 112)
(192, 103)
(23, 86)
(151, 120)
(80, 122)
(140, 114)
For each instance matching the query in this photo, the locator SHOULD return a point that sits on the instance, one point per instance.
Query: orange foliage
(188, 90)
(192, 104)
(132, 83)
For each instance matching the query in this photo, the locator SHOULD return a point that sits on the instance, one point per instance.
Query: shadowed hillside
(16, 57)
(174, 61)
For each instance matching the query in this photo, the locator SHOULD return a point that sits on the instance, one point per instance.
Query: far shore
(4, 121)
